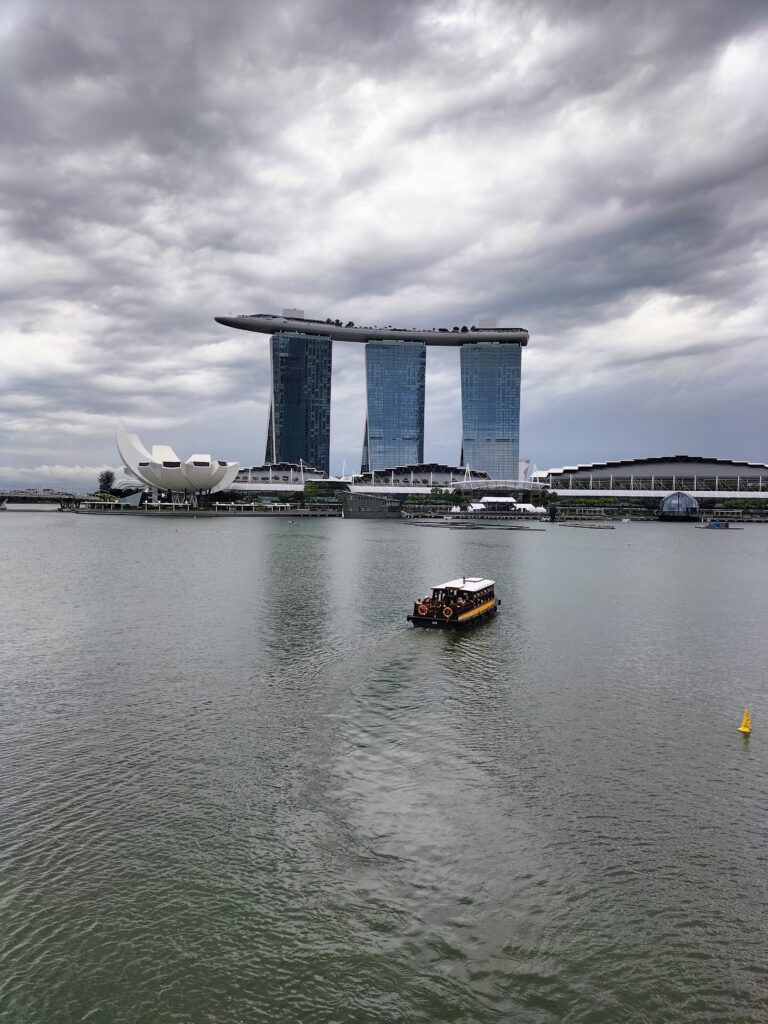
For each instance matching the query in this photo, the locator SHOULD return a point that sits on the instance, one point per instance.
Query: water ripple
(256, 794)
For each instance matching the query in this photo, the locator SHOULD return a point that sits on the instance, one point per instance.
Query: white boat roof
(469, 583)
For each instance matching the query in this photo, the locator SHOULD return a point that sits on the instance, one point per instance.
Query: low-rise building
(655, 477)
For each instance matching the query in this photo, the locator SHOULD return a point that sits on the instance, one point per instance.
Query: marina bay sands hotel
(395, 365)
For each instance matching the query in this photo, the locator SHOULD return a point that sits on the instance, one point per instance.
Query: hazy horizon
(593, 173)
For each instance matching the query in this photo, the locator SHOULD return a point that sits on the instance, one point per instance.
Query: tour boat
(456, 604)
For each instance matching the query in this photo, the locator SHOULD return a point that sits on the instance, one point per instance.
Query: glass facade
(394, 427)
(490, 408)
(679, 505)
(299, 427)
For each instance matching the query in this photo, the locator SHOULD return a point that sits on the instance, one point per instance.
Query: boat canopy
(471, 584)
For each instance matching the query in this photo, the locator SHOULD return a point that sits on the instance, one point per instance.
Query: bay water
(236, 785)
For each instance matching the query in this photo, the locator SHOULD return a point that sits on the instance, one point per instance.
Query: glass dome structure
(679, 505)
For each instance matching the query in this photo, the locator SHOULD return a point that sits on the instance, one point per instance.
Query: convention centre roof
(427, 467)
(660, 465)
(271, 323)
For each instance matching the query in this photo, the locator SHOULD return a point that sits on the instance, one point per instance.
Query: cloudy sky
(594, 171)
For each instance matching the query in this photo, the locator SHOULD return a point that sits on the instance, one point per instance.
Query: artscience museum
(163, 469)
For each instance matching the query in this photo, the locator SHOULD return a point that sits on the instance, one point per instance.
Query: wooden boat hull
(438, 622)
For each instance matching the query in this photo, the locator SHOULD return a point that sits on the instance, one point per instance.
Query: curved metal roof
(427, 467)
(667, 460)
(268, 323)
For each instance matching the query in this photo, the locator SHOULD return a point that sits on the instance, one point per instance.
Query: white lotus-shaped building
(163, 468)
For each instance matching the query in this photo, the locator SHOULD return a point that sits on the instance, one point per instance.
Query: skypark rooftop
(271, 323)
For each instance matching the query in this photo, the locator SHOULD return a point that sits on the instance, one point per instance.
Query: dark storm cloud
(593, 170)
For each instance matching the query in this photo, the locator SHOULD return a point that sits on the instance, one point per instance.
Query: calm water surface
(236, 786)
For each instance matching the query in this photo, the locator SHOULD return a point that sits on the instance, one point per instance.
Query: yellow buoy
(746, 723)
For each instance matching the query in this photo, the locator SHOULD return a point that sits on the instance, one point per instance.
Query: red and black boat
(457, 604)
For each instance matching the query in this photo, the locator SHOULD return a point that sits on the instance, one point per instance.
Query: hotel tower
(395, 370)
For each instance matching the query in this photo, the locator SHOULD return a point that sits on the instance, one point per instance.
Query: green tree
(106, 481)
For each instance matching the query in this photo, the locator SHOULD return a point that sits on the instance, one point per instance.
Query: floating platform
(589, 526)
